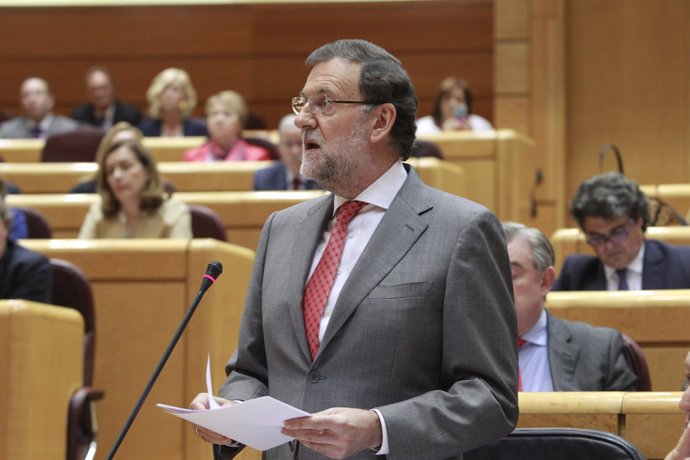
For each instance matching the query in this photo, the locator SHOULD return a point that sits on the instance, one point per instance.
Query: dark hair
(152, 195)
(609, 196)
(383, 80)
(444, 89)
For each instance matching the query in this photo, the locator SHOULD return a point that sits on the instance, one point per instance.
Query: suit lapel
(563, 355)
(399, 229)
(306, 237)
(652, 267)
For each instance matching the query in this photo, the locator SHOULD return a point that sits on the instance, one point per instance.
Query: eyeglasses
(617, 235)
(322, 104)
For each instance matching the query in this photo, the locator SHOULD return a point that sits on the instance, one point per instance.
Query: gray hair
(542, 252)
(383, 80)
(609, 196)
(287, 121)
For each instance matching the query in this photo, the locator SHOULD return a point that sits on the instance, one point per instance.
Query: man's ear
(548, 276)
(383, 123)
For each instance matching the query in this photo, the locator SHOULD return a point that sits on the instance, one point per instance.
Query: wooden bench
(569, 241)
(656, 320)
(42, 366)
(142, 289)
(493, 162)
(651, 421)
(40, 178)
(676, 195)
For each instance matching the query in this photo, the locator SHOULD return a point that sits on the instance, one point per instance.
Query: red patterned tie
(521, 342)
(319, 286)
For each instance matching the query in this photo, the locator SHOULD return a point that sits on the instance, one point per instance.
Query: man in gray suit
(555, 354)
(415, 356)
(38, 120)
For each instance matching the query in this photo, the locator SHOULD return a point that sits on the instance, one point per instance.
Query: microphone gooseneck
(213, 271)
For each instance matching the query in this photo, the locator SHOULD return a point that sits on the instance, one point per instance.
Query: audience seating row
(40, 178)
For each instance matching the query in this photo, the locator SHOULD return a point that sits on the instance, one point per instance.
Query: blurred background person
(556, 354)
(120, 132)
(103, 109)
(24, 274)
(172, 100)
(226, 113)
(38, 121)
(613, 214)
(682, 449)
(452, 110)
(18, 227)
(133, 202)
(285, 174)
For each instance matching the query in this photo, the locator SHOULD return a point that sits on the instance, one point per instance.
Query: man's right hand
(200, 403)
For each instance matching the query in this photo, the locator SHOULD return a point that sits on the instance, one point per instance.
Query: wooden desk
(651, 421)
(676, 195)
(40, 178)
(42, 366)
(656, 320)
(142, 289)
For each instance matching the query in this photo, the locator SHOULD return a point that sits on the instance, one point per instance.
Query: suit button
(314, 377)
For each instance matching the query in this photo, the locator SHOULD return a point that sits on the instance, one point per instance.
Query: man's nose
(305, 119)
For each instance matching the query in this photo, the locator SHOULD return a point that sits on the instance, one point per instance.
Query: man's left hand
(337, 432)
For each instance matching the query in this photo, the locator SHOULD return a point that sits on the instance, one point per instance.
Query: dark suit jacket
(190, 127)
(424, 329)
(123, 112)
(274, 178)
(664, 267)
(587, 358)
(25, 274)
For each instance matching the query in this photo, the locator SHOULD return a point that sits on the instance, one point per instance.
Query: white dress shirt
(535, 370)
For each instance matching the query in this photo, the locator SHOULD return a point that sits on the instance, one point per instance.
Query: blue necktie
(36, 132)
(622, 279)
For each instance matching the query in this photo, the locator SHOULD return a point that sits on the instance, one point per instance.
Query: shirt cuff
(384, 435)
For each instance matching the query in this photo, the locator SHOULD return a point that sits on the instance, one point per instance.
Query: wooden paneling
(256, 49)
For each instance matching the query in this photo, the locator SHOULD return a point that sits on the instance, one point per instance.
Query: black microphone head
(214, 269)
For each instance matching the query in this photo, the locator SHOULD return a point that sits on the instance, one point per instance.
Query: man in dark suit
(613, 214)
(396, 331)
(285, 174)
(103, 109)
(24, 274)
(555, 354)
(38, 121)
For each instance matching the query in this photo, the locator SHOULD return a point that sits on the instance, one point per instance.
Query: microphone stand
(212, 272)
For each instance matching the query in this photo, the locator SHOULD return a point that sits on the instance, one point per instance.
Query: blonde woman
(172, 100)
(133, 202)
(226, 114)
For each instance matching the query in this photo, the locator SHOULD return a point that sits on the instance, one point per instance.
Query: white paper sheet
(255, 423)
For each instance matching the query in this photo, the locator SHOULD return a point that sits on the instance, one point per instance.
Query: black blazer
(123, 112)
(664, 267)
(190, 127)
(274, 178)
(25, 274)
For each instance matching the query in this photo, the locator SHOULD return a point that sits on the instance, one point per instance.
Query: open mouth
(310, 145)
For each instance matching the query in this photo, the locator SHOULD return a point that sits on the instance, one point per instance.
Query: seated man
(24, 274)
(38, 120)
(613, 213)
(104, 109)
(555, 354)
(285, 174)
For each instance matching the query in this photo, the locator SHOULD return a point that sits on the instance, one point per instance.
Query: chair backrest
(560, 443)
(72, 289)
(206, 223)
(74, 146)
(265, 143)
(638, 363)
(422, 148)
(37, 225)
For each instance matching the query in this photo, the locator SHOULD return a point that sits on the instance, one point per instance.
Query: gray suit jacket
(424, 329)
(20, 127)
(587, 358)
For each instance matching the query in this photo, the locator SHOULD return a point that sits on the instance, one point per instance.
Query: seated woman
(452, 110)
(172, 100)
(226, 113)
(119, 132)
(133, 202)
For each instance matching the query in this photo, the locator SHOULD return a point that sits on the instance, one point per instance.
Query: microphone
(213, 271)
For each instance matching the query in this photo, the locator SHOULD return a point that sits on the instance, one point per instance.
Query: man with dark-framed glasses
(613, 213)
